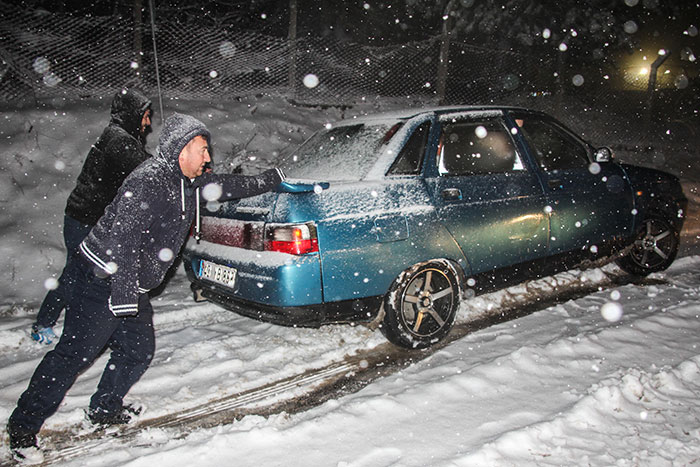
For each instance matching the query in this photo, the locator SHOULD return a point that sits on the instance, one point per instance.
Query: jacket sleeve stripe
(95, 259)
(130, 309)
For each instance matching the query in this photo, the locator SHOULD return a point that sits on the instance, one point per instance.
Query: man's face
(145, 123)
(193, 157)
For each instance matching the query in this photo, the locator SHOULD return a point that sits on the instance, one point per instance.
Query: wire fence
(47, 55)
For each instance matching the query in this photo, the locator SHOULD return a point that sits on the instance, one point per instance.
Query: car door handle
(451, 194)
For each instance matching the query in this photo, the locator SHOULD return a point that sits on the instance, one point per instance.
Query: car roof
(405, 114)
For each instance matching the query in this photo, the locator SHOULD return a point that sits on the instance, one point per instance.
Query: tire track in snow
(316, 386)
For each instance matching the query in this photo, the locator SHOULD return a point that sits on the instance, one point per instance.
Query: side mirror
(603, 154)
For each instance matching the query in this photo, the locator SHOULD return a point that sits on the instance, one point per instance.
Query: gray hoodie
(143, 229)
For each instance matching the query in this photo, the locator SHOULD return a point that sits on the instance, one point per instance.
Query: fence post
(155, 58)
(444, 52)
(292, 38)
(138, 27)
(651, 88)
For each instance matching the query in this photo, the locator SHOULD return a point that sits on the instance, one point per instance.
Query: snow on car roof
(371, 157)
(406, 114)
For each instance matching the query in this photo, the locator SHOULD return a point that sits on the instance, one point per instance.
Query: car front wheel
(654, 249)
(421, 305)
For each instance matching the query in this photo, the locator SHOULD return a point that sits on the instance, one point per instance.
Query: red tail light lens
(295, 239)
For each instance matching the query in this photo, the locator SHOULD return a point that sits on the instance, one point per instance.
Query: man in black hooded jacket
(127, 253)
(118, 151)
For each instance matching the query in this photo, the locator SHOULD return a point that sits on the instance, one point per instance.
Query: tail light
(295, 239)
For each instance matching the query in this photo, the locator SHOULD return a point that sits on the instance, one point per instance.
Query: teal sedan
(396, 218)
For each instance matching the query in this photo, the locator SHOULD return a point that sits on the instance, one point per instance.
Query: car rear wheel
(654, 249)
(421, 305)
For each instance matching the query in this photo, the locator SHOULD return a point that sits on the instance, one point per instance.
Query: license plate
(217, 273)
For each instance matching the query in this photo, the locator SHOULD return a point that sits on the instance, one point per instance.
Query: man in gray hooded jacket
(124, 256)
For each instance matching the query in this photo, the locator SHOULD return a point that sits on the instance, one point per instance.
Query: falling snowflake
(227, 49)
(51, 284)
(310, 81)
(51, 80)
(212, 206)
(212, 192)
(630, 27)
(41, 65)
(165, 255)
(111, 267)
(611, 311)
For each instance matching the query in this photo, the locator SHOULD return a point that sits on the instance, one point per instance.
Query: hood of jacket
(128, 107)
(178, 130)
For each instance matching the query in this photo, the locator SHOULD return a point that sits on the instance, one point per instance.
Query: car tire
(421, 305)
(654, 248)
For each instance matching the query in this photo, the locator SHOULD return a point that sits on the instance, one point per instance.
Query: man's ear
(181, 156)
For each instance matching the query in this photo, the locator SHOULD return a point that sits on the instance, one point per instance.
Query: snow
(267, 259)
(610, 376)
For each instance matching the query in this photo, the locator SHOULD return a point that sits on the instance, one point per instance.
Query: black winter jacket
(118, 151)
(144, 228)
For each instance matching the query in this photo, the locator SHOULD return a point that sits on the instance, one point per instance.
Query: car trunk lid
(248, 223)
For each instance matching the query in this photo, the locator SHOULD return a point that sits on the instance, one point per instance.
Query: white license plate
(217, 273)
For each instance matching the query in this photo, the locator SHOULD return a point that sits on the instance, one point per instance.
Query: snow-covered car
(395, 218)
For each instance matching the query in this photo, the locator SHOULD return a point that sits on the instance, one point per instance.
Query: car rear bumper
(306, 316)
(348, 311)
(288, 294)
(273, 279)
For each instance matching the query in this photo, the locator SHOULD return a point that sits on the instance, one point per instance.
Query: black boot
(119, 417)
(20, 439)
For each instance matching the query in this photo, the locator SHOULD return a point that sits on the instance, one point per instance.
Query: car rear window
(341, 153)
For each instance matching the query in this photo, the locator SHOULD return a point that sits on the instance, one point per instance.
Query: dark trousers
(74, 232)
(89, 328)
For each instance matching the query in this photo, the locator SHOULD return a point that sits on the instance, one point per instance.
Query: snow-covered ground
(612, 378)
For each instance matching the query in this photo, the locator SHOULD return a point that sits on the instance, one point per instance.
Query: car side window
(554, 148)
(410, 158)
(477, 147)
